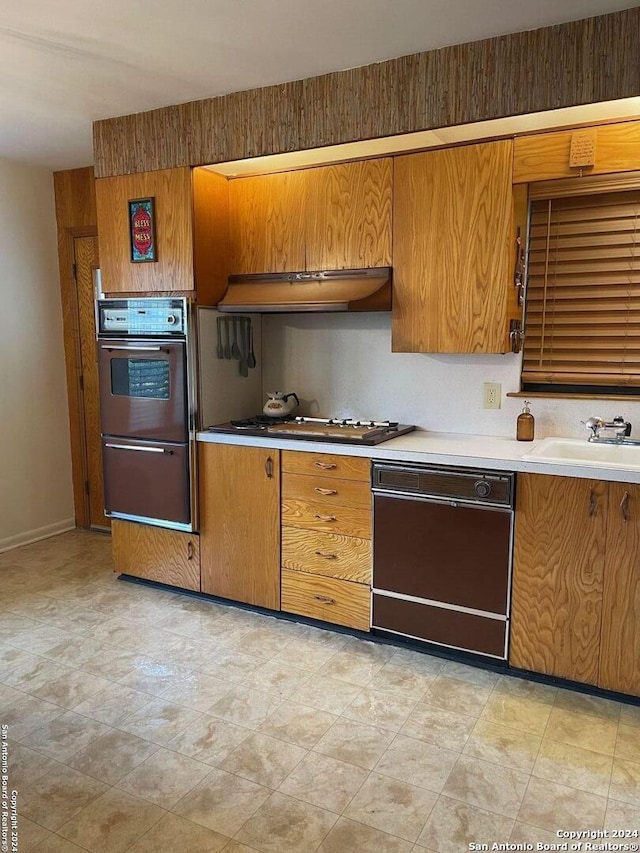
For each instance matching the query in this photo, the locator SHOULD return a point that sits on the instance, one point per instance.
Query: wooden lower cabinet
(620, 646)
(558, 575)
(327, 465)
(240, 523)
(156, 554)
(576, 582)
(330, 600)
(326, 538)
(327, 554)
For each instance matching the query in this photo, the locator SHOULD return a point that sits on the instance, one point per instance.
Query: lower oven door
(147, 481)
(143, 388)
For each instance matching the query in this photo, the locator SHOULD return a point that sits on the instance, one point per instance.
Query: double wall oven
(147, 410)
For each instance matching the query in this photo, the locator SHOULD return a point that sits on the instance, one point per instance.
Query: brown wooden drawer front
(325, 491)
(327, 554)
(330, 600)
(156, 554)
(327, 465)
(314, 515)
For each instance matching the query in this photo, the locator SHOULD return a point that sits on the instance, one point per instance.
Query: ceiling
(65, 64)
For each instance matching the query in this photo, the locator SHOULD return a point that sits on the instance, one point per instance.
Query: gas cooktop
(344, 430)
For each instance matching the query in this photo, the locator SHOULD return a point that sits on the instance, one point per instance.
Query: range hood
(327, 290)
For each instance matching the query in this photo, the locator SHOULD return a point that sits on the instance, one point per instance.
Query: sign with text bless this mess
(142, 230)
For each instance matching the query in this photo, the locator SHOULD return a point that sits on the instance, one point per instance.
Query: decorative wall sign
(142, 230)
(583, 149)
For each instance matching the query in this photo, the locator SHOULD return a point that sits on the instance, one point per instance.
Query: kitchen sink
(582, 452)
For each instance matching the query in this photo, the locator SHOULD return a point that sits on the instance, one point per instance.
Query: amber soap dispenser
(525, 424)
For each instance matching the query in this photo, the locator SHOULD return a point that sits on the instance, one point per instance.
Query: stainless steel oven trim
(133, 348)
(443, 605)
(139, 447)
(193, 401)
(153, 522)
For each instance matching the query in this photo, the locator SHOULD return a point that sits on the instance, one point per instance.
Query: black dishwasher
(442, 546)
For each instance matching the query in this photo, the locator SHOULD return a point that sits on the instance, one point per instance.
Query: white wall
(342, 364)
(36, 496)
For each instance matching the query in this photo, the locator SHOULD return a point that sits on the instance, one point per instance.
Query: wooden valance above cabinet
(546, 156)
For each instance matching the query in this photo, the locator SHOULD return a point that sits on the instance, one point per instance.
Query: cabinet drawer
(327, 554)
(326, 491)
(156, 554)
(327, 599)
(313, 515)
(327, 465)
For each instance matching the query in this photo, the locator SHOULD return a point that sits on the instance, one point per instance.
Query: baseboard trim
(36, 535)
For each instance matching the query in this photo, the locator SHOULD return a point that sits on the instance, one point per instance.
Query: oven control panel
(136, 317)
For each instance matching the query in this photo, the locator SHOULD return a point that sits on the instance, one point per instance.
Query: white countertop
(437, 448)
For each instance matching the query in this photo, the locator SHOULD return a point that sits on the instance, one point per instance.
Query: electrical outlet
(492, 395)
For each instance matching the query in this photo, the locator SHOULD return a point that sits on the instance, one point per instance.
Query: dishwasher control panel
(449, 484)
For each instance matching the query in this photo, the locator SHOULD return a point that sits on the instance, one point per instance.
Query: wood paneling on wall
(75, 199)
(596, 59)
(75, 194)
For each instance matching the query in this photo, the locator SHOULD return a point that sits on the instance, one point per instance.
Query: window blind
(583, 292)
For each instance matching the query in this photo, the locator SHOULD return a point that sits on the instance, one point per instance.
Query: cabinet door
(171, 189)
(240, 523)
(560, 530)
(620, 647)
(156, 554)
(349, 215)
(452, 249)
(267, 223)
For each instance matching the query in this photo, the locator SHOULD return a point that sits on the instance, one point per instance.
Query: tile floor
(142, 720)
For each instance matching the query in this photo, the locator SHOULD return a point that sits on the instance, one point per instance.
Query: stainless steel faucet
(612, 432)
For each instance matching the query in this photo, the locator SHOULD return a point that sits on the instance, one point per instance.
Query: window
(582, 327)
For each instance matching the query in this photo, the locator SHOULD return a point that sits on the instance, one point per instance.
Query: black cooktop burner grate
(259, 421)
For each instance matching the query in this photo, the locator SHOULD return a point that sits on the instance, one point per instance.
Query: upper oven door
(143, 389)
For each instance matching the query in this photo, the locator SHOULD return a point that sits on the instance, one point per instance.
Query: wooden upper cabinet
(453, 249)
(267, 215)
(348, 224)
(240, 523)
(192, 233)
(620, 649)
(559, 563)
(330, 217)
(171, 189)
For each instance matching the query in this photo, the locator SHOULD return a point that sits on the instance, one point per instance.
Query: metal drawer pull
(593, 502)
(131, 349)
(138, 447)
(326, 466)
(624, 506)
(268, 467)
(326, 491)
(326, 556)
(325, 517)
(325, 599)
